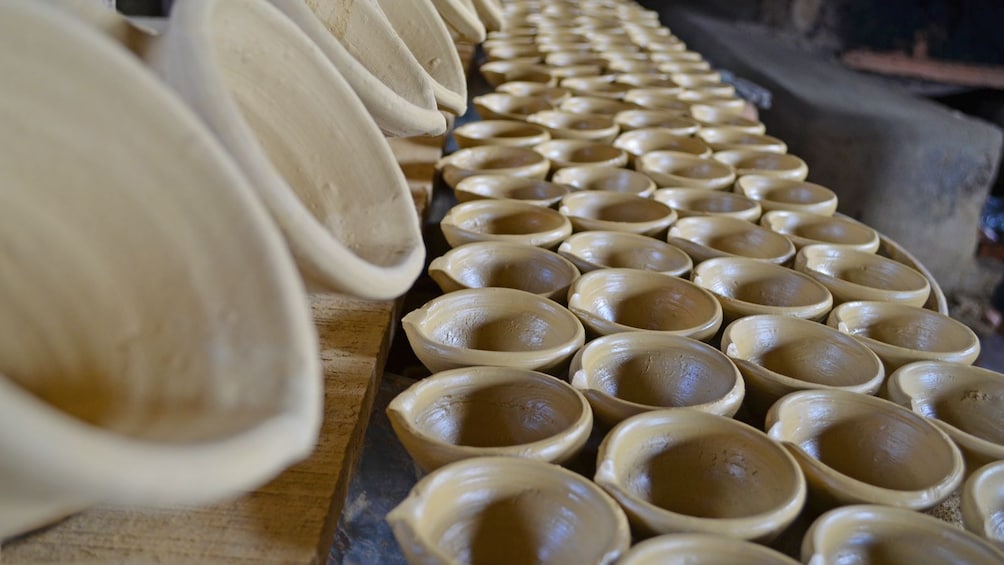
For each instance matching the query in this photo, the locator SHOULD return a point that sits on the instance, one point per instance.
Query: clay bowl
(855, 275)
(747, 287)
(492, 159)
(592, 177)
(664, 119)
(596, 86)
(512, 133)
(633, 372)
(663, 99)
(782, 194)
(713, 89)
(725, 138)
(859, 449)
(490, 411)
(710, 116)
(493, 326)
(555, 95)
(497, 72)
(703, 202)
(504, 220)
(900, 334)
(688, 471)
(507, 51)
(766, 163)
(641, 141)
(672, 56)
(616, 211)
(509, 510)
(462, 19)
(506, 187)
(706, 237)
(983, 503)
(804, 229)
(778, 355)
(965, 402)
(573, 71)
(879, 535)
(593, 250)
(691, 72)
(573, 152)
(623, 66)
(573, 58)
(675, 169)
(595, 105)
(567, 125)
(648, 80)
(701, 549)
(617, 300)
(504, 264)
(499, 106)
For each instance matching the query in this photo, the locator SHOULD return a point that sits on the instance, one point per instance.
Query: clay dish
(689, 471)
(855, 275)
(566, 125)
(726, 138)
(673, 56)
(557, 43)
(554, 95)
(703, 202)
(711, 116)
(632, 66)
(879, 535)
(592, 177)
(490, 411)
(493, 159)
(706, 237)
(497, 72)
(595, 105)
(493, 326)
(983, 503)
(598, 86)
(575, 71)
(616, 211)
(633, 372)
(508, 51)
(675, 169)
(900, 334)
(504, 220)
(499, 106)
(660, 98)
(648, 80)
(617, 300)
(858, 449)
(965, 402)
(573, 152)
(573, 58)
(509, 510)
(593, 250)
(504, 264)
(506, 187)
(747, 287)
(720, 90)
(766, 163)
(724, 104)
(624, 54)
(640, 141)
(665, 44)
(701, 549)
(803, 229)
(778, 355)
(668, 120)
(512, 133)
(782, 194)
(691, 71)
(462, 18)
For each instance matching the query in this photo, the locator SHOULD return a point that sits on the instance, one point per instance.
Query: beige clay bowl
(462, 19)
(879, 535)
(901, 334)
(573, 58)
(706, 237)
(617, 300)
(701, 69)
(783, 194)
(764, 163)
(595, 105)
(498, 72)
(567, 125)
(648, 80)
(513, 133)
(710, 116)
(778, 355)
(507, 187)
(492, 159)
(675, 169)
(610, 179)
(633, 372)
(689, 471)
(658, 98)
(555, 95)
(936, 301)
(747, 287)
(509, 510)
(701, 549)
(725, 138)
(573, 71)
(664, 119)
(859, 449)
(804, 229)
(725, 104)
(616, 211)
(983, 503)
(640, 141)
(504, 264)
(572, 152)
(598, 86)
(966, 402)
(500, 106)
(703, 202)
(501, 50)
(493, 326)
(851, 275)
(714, 89)
(504, 220)
(631, 66)
(490, 411)
(675, 56)
(593, 250)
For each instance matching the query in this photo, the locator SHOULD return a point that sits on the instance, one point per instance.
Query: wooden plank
(948, 72)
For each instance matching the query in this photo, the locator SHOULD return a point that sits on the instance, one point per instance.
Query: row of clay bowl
(568, 264)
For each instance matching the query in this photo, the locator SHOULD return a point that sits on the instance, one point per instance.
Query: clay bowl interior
(499, 51)
(504, 220)
(486, 411)
(880, 535)
(706, 237)
(640, 141)
(675, 169)
(703, 202)
(983, 503)
(593, 250)
(901, 334)
(724, 138)
(806, 229)
(778, 355)
(688, 471)
(665, 119)
(855, 275)
(498, 72)
(711, 116)
(509, 510)
(833, 436)
(492, 326)
(616, 211)
(496, 159)
(747, 287)
(633, 372)
(767, 163)
(658, 98)
(504, 264)
(500, 132)
(598, 86)
(616, 300)
(783, 194)
(571, 152)
(595, 105)
(610, 179)
(555, 95)
(568, 125)
(506, 187)
(645, 79)
(501, 106)
(701, 549)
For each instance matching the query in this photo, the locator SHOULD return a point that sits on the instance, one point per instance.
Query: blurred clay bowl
(703, 202)
(592, 250)
(555, 95)
(701, 549)
(983, 503)
(514, 133)
(747, 287)
(500, 106)
(616, 211)
(595, 105)
(675, 169)
(764, 163)
(725, 138)
(568, 125)
(507, 265)
(609, 179)
(498, 72)
(504, 220)
(572, 152)
(495, 159)
(506, 187)
(807, 229)
(855, 275)
(640, 141)
(707, 237)
(784, 194)
(668, 120)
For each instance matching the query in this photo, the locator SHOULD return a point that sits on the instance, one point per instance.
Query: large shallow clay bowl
(706, 237)
(493, 159)
(568, 125)
(676, 169)
(593, 250)
(803, 229)
(783, 194)
(703, 202)
(880, 535)
(710, 116)
(572, 152)
(599, 86)
(616, 211)
(633, 372)
(665, 119)
(859, 449)
(610, 179)
(492, 326)
(509, 510)
(486, 411)
(851, 275)
(658, 98)
(983, 503)
(701, 549)
(498, 72)
(514, 133)
(501, 106)
(504, 264)
(966, 402)
(504, 220)
(747, 287)
(778, 355)
(766, 163)
(900, 334)
(555, 95)
(617, 300)
(725, 138)
(507, 187)
(689, 471)
(596, 105)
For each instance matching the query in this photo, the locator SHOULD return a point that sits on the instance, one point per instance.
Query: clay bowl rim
(555, 94)
(482, 251)
(724, 139)
(758, 187)
(812, 311)
(502, 106)
(779, 220)
(591, 171)
(464, 139)
(687, 126)
(657, 163)
(567, 251)
(550, 150)
(705, 252)
(536, 166)
(464, 193)
(631, 139)
(751, 213)
(811, 257)
(690, 545)
(977, 514)
(547, 238)
(571, 203)
(798, 169)
(592, 104)
(561, 124)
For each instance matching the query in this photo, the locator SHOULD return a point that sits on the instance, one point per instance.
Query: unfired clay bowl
(688, 471)
(725, 104)
(647, 80)
(571, 71)
(725, 138)
(701, 549)
(804, 229)
(778, 355)
(747, 287)
(504, 220)
(851, 275)
(509, 510)
(610, 179)
(502, 50)
(513, 133)
(675, 169)
(966, 402)
(497, 72)
(616, 211)
(633, 372)
(706, 237)
(673, 56)
(501, 106)
(983, 503)
(710, 116)
(462, 18)
(879, 535)
(664, 119)
(593, 250)
(782, 194)
(658, 98)
(616, 300)
(573, 58)
(859, 449)
(492, 326)
(490, 411)
(901, 334)
(703, 202)
(493, 159)
(504, 264)
(595, 105)
(598, 86)
(631, 66)
(567, 125)
(555, 95)
(507, 187)
(764, 163)
(640, 141)
(572, 152)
